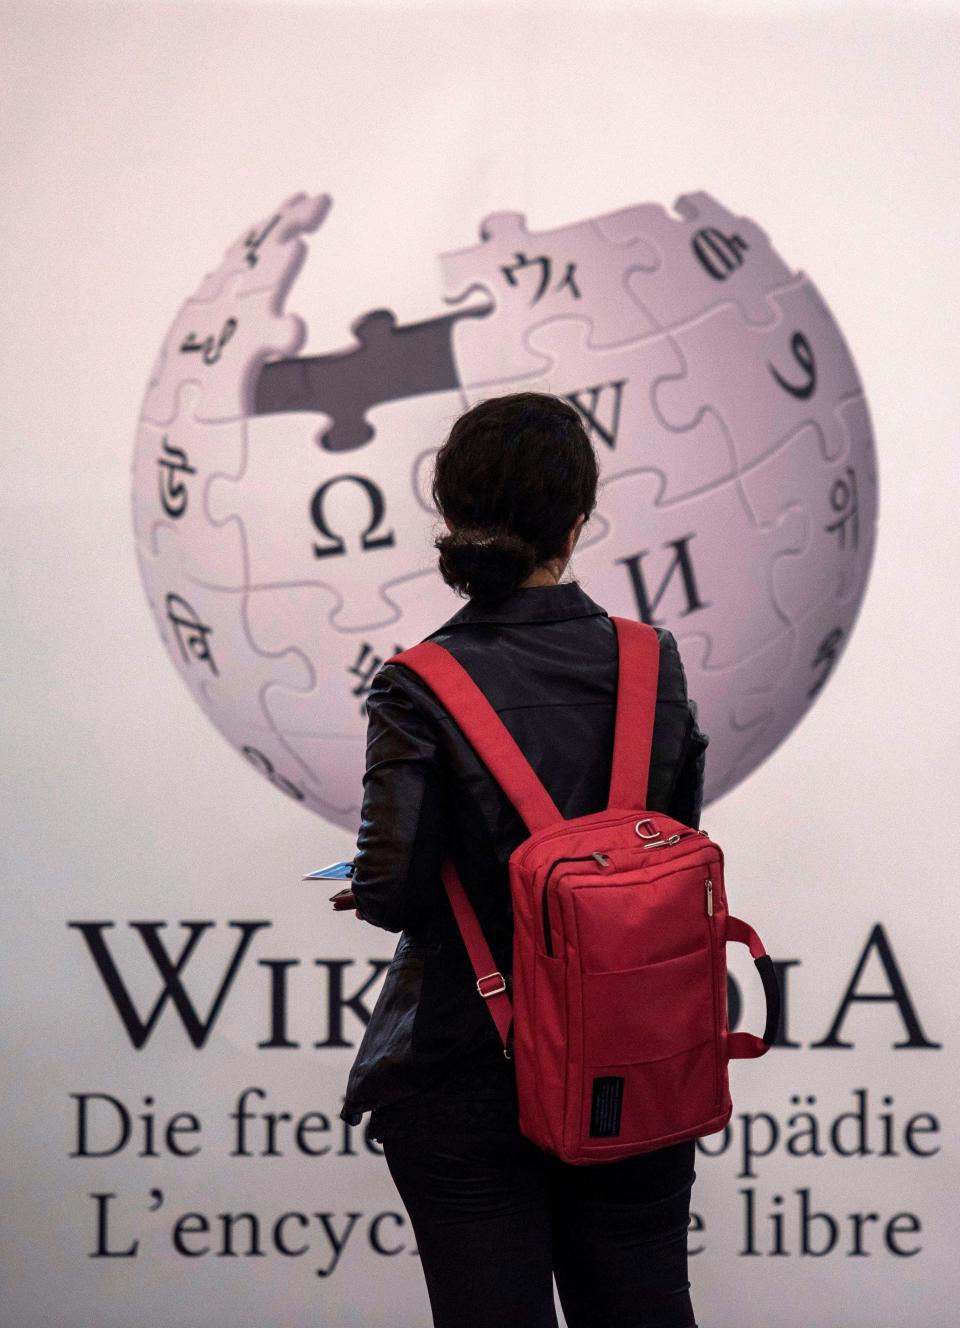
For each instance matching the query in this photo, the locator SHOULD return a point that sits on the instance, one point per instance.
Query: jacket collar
(530, 604)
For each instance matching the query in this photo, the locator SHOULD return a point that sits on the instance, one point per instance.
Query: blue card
(337, 871)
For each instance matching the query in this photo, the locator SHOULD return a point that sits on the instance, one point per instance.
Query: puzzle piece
(270, 756)
(387, 363)
(345, 662)
(206, 635)
(324, 774)
(367, 516)
(336, 792)
(269, 253)
(821, 636)
(761, 700)
(221, 345)
(423, 603)
(861, 455)
(738, 698)
(838, 500)
(325, 729)
(534, 276)
(172, 467)
(728, 558)
(733, 367)
(705, 257)
(611, 388)
(269, 256)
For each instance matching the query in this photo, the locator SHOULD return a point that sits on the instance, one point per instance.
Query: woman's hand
(344, 899)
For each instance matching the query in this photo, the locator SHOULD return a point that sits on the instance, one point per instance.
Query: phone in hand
(336, 871)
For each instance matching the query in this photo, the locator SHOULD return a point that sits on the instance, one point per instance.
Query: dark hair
(512, 477)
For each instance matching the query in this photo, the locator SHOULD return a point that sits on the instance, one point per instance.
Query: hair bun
(486, 564)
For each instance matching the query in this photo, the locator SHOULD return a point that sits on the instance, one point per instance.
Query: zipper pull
(659, 843)
(709, 898)
(603, 860)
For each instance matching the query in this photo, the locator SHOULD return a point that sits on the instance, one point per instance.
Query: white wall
(138, 138)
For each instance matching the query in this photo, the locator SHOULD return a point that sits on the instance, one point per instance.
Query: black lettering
(374, 1233)
(718, 254)
(898, 994)
(803, 354)
(590, 413)
(335, 543)
(337, 1002)
(102, 1251)
(681, 561)
(137, 1029)
(278, 1002)
(894, 1227)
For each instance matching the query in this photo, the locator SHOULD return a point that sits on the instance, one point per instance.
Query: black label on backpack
(605, 1110)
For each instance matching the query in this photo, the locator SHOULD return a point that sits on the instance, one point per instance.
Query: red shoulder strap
(491, 983)
(638, 667)
(638, 652)
(638, 648)
(486, 731)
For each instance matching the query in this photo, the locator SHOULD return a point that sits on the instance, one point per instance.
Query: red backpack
(619, 1017)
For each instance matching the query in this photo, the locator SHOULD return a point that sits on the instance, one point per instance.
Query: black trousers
(496, 1219)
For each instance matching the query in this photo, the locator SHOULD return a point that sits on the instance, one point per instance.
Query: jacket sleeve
(401, 842)
(686, 801)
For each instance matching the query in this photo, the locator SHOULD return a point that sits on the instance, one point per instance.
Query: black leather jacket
(546, 660)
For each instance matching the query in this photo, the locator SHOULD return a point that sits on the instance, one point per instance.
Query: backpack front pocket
(649, 1013)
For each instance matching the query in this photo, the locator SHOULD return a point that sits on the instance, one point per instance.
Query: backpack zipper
(604, 861)
(601, 858)
(674, 839)
(716, 994)
(563, 827)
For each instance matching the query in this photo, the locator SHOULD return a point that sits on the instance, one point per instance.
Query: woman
(495, 1218)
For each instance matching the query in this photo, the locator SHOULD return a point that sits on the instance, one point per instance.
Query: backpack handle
(742, 1046)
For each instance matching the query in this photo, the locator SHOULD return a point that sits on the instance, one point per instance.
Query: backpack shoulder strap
(638, 668)
(638, 648)
(484, 729)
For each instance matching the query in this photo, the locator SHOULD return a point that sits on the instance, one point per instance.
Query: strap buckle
(492, 991)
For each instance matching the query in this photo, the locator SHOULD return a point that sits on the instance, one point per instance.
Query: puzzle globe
(281, 504)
